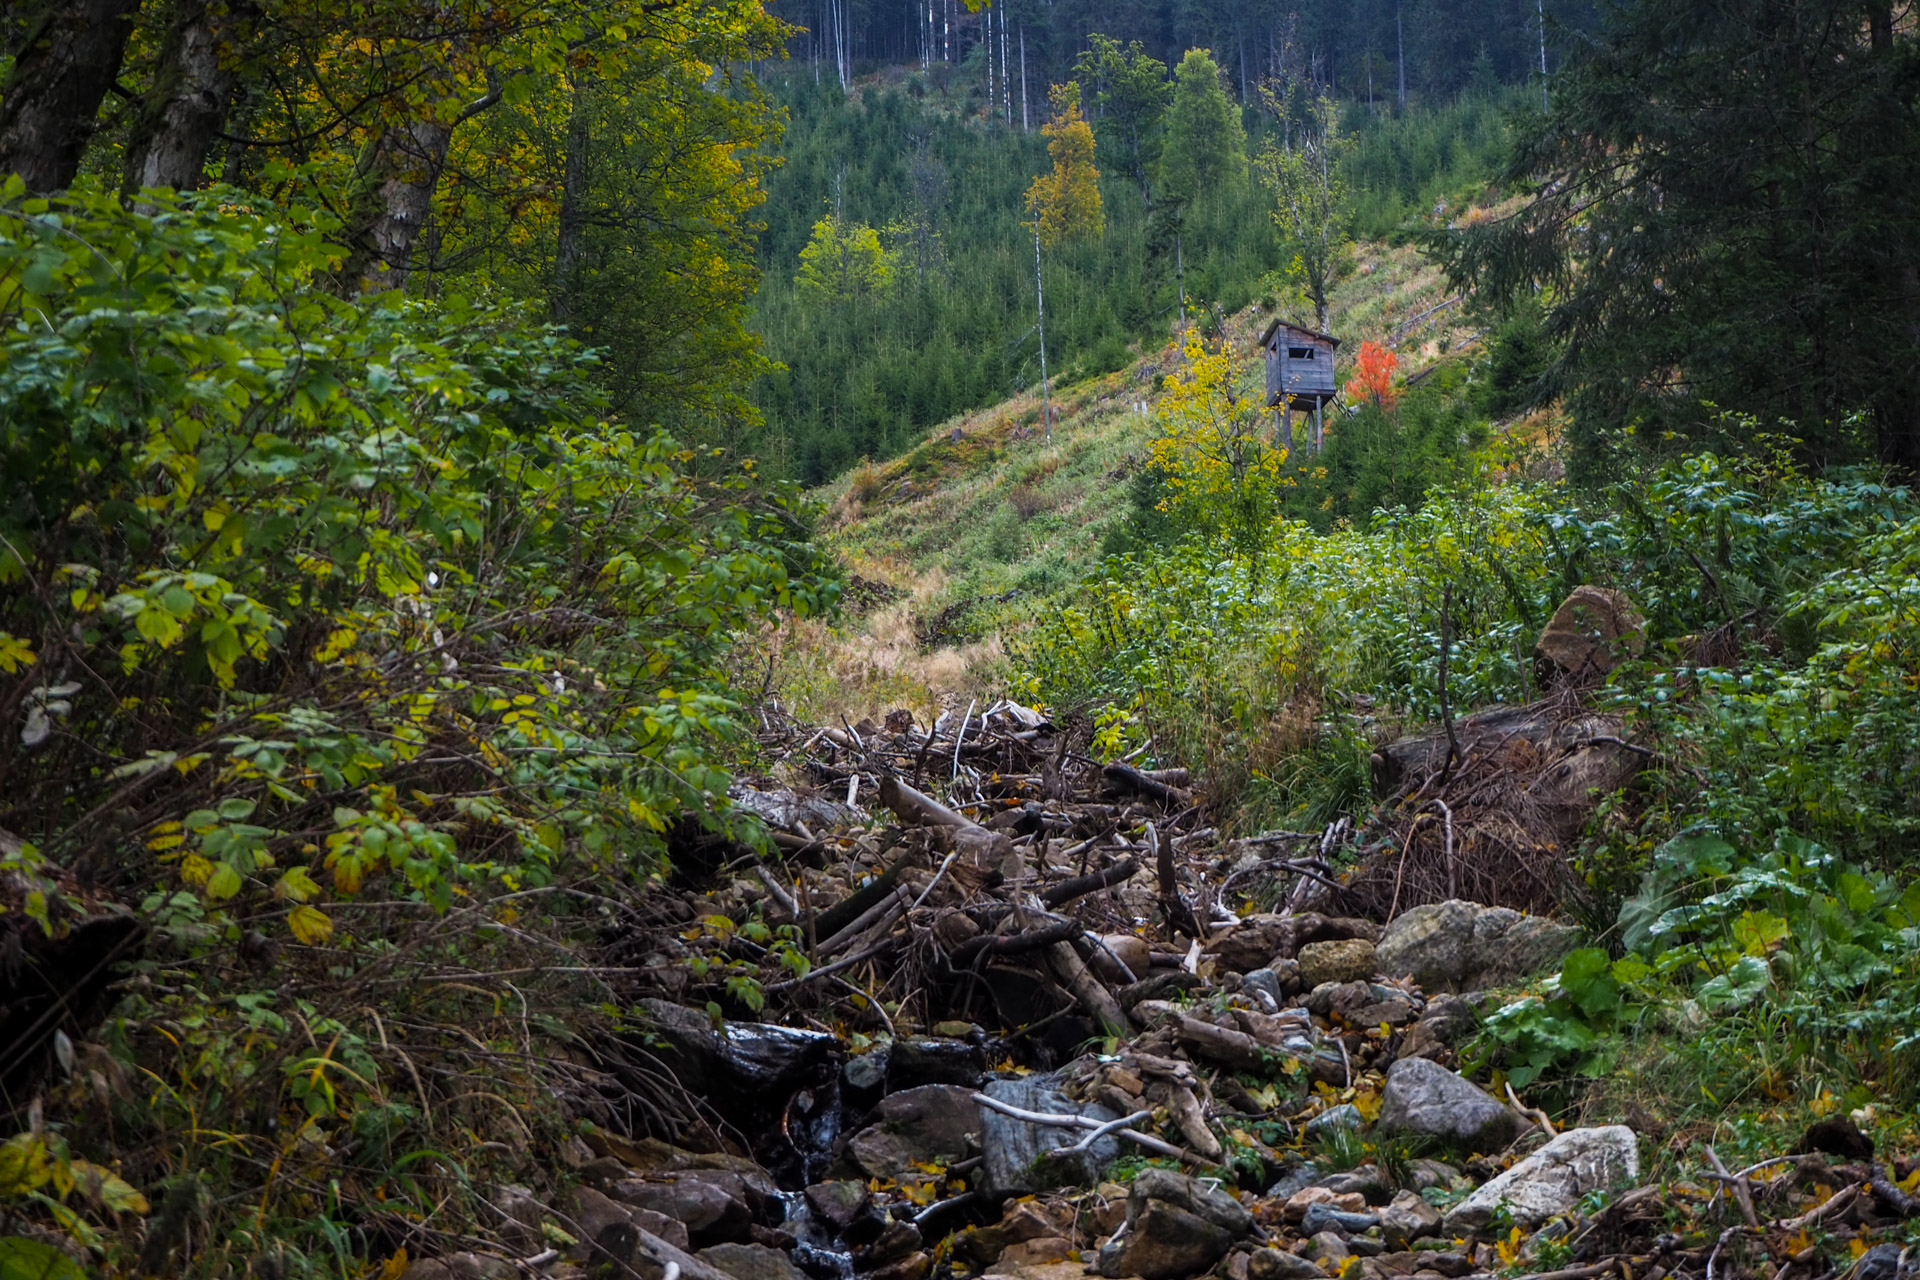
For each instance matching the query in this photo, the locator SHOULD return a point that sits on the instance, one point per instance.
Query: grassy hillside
(962, 541)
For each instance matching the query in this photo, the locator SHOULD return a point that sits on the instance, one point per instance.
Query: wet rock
(1836, 1136)
(933, 1124)
(1549, 1181)
(1591, 630)
(865, 1071)
(1463, 946)
(1407, 1219)
(1881, 1262)
(1012, 1150)
(1276, 1264)
(839, 1203)
(919, 1060)
(1350, 960)
(615, 1227)
(895, 1241)
(751, 1061)
(1423, 1097)
(914, 1267)
(751, 1262)
(1294, 1180)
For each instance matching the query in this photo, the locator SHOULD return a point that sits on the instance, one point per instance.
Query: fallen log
(1011, 944)
(1233, 1048)
(1125, 777)
(1092, 882)
(827, 923)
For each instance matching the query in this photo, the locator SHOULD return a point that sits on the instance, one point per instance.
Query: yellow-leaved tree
(1223, 477)
(1066, 202)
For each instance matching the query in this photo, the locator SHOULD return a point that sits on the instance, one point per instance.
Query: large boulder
(1423, 1097)
(933, 1124)
(1463, 946)
(1012, 1150)
(1552, 1179)
(1592, 630)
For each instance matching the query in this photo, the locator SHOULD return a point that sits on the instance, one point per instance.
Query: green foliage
(844, 261)
(342, 632)
(1204, 157)
(1670, 280)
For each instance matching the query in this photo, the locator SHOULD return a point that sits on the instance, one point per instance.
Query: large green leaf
(24, 1259)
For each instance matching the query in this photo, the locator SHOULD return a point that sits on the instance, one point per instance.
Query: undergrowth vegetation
(350, 641)
(1750, 897)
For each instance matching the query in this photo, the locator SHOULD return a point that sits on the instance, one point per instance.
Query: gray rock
(745, 1059)
(933, 1124)
(1012, 1150)
(1347, 960)
(480, 1266)
(1324, 1217)
(1329, 1246)
(1463, 946)
(1344, 1116)
(1264, 982)
(1407, 1219)
(708, 1211)
(1424, 1173)
(751, 1262)
(1366, 1181)
(1277, 1264)
(1165, 1242)
(896, 1240)
(1293, 1180)
(866, 1071)
(1552, 1179)
(523, 1214)
(1424, 1097)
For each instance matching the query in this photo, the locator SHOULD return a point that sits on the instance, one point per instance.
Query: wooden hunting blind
(1299, 374)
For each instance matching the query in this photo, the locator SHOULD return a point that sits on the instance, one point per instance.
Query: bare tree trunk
(1026, 120)
(1040, 308)
(187, 107)
(1400, 36)
(573, 194)
(63, 67)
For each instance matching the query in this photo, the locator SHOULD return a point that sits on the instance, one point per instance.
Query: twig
(1446, 707)
(947, 862)
(1534, 1114)
(828, 970)
(1094, 1135)
(961, 737)
(780, 895)
(1088, 1122)
(1741, 1192)
(1093, 882)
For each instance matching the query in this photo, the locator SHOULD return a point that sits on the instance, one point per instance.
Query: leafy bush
(320, 621)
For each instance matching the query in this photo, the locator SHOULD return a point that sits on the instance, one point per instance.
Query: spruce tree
(1725, 215)
(1205, 151)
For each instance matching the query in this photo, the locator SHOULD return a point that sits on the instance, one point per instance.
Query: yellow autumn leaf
(395, 1267)
(310, 925)
(195, 869)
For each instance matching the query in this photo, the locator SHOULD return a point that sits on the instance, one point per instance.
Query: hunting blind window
(1299, 353)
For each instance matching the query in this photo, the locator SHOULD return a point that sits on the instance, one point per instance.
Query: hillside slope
(959, 542)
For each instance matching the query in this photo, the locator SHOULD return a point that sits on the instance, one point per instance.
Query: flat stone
(707, 1210)
(1208, 1201)
(751, 1262)
(1344, 1116)
(1035, 1252)
(1328, 1246)
(1552, 1179)
(1324, 1217)
(1425, 1098)
(1348, 960)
